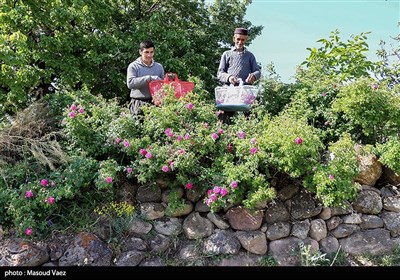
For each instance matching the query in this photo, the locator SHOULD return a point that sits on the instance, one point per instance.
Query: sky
(290, 27)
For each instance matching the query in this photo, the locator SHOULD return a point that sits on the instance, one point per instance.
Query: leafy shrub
(302, 130)
(291, 145)
(275, 95)
(87, 123)
(332, 180)
(176, 141)
(389, 153)
(107, 174)
(370, 111)
(240, 176)
(32, 204)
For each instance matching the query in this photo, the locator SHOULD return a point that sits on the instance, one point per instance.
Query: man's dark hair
(146, 44)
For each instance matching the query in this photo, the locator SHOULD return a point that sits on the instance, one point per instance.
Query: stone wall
(239, 237)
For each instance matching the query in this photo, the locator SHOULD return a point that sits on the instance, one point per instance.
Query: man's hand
(250, 79)
(154, 78)
(232, 80)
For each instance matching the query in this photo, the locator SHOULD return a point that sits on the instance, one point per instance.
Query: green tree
(388, 68)
(66, 45)
(337, 60)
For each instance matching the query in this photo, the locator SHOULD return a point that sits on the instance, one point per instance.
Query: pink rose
(44, 182)
(234, 185)
(189, 186)
(50, 200)
(298, 140)
(241, 135)
(253, 150)
(28, 193)
(143, 152)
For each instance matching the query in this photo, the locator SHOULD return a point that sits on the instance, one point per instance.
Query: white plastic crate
(231, 98)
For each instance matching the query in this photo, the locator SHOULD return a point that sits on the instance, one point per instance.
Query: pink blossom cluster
(73, 109)
(218, 191)
(145, 153)
(215, 136)
(248, 98)
(214, 193)
(125, 142)
(50, 199)
(169, 132)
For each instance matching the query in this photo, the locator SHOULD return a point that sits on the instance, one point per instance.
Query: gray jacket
(139, 75)
(239, 64)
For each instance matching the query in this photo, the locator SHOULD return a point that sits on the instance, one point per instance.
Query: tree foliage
(52, 45)
(388, 68)
(344, 61)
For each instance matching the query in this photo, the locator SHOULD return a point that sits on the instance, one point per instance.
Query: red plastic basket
(181, 87)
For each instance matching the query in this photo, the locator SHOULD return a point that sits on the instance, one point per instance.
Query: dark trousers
(136, 104)
(226, 117)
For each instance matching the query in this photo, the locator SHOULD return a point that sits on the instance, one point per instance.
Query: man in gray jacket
(139, 73)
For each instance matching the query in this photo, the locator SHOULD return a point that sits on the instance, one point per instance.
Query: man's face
(147, 55)
(240, 41)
